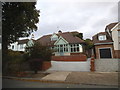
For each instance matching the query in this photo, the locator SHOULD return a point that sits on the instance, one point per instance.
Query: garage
(105, 53)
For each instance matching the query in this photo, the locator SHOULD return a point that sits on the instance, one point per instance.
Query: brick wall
(103, 46)
(76, 54)
(80, 57)
(117, 53)
(46, 65)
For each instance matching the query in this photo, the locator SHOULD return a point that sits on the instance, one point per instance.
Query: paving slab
(57, 76)
(104, 78)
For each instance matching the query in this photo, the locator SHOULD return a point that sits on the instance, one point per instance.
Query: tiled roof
(96, 40)
(68, 36)
(110, 26)
(44, 40)
(24, 41)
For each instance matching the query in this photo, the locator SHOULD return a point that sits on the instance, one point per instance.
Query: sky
(86, 17)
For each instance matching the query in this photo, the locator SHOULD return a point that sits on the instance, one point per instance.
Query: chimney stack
(59, 32)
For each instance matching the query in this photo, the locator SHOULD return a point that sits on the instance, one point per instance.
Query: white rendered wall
(23, 49)
(70, 66)
(115, 39)
(15, 46)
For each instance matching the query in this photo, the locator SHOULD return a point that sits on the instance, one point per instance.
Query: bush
(41, 52)
(38, 54)
(14, 63)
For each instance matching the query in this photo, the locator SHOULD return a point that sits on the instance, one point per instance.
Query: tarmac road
(9, 83)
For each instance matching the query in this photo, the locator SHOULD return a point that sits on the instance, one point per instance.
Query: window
(75, 48)
(66, 47)
(12, 46)
(102, 37)
(53, 39)
(21, 46)
(61, 48)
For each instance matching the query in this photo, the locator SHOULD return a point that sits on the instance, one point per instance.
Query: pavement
(57, 76)
(86, 78)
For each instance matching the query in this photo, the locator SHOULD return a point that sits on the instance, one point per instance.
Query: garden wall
(106, 65)
(70, 66)
(81, 57)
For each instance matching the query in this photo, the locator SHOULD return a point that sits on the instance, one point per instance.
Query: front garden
(26, 64)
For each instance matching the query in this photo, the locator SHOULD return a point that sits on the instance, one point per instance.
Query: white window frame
(102, 37)
(75, 46)
(105, 48)
(21, 46)
(55, 38)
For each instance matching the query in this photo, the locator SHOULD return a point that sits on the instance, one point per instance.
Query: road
(8, 83)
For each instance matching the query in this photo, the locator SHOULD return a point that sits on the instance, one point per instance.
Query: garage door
(105, 53)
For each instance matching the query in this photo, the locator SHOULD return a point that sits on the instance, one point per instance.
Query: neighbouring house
(20, 45)
(116, 38)
(66, 46)
(107, 44)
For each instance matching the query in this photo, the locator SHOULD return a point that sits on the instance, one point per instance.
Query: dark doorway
(105, 53)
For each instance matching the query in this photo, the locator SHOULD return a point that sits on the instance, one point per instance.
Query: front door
(105, 53)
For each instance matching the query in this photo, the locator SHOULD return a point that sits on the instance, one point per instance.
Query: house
(20, 45)
(107, 44)
(64, 44)
(68, 51)
(116, 38)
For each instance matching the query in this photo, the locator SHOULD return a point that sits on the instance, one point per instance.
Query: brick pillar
(92, 68)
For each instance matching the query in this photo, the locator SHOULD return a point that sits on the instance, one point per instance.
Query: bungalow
(107, 44)
(64, 44)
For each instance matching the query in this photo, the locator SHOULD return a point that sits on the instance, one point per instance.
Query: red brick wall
(46, 65)
(117, 53)
(80, 57)
(75, 53)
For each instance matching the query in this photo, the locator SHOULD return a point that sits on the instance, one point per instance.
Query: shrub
(14, 62)
(38, 54)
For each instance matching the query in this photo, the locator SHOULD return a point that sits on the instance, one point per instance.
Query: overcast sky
(75, 15)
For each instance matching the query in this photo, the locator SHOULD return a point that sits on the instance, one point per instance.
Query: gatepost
(92, 68)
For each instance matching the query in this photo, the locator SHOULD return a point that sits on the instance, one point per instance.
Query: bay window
(68, 48)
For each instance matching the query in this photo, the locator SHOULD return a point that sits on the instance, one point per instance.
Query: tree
(80, 35)
(88, 46)
(38, 53)
(18, 20)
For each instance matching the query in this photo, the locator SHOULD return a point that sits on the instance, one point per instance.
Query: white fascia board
(59, 39)
(103, 43)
